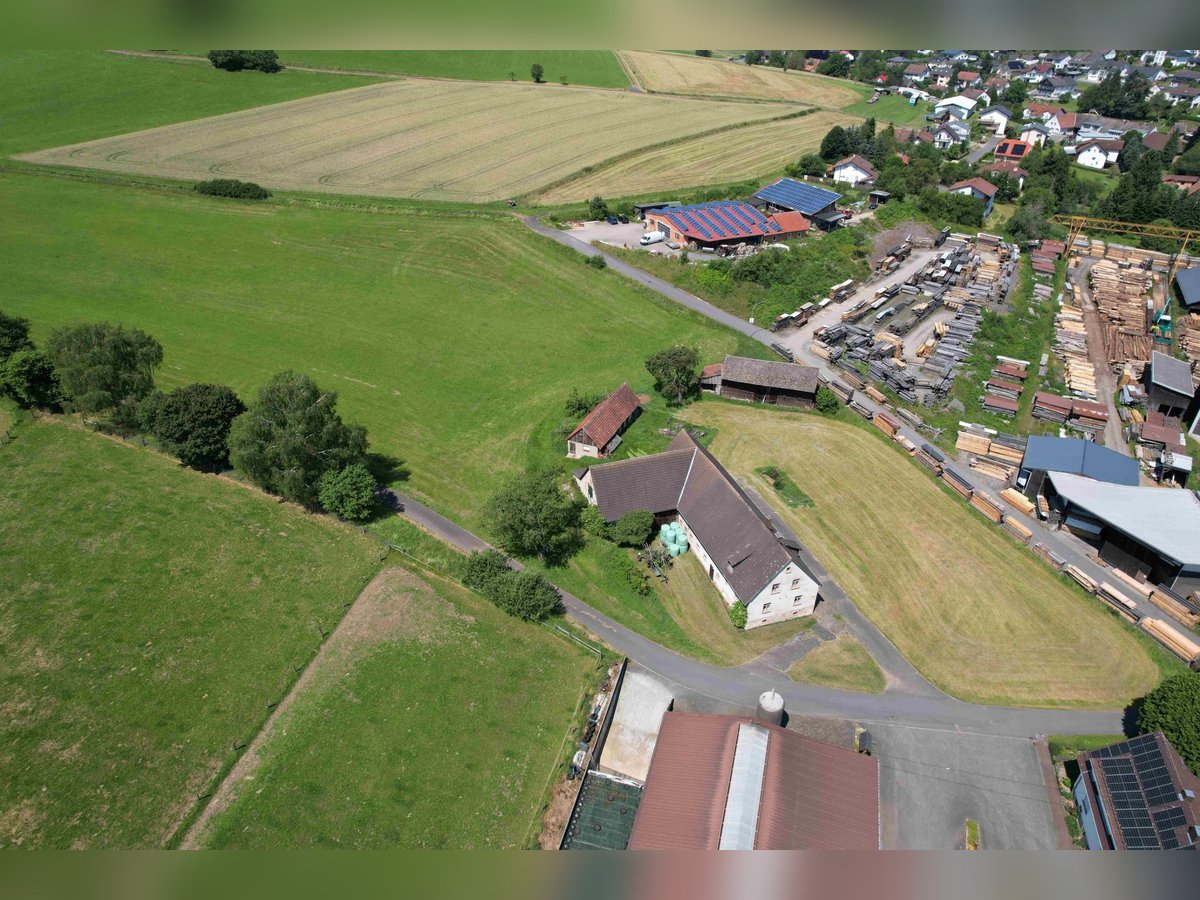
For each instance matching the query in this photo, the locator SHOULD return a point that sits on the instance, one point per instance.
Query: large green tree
(675, 372)
(28, 378)
(193, 422)
(292, 435)
(14, 335)
(532, 516)
(1174, 709)
(104, 367)
(348, 492)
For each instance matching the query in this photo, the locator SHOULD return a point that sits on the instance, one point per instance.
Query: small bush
(593, 522)
(737, 614)
(348, 493)
(635, 575)
(525, 595)
(28, 378)
(580, 404)
(633, 529)
(480, 569)
(596, 262)
(239, 60)
(231, 187)
(827, 402)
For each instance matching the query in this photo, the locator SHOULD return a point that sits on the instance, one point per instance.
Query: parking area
(931, 781)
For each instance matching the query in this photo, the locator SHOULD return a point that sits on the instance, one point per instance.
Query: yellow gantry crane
(1077, 224)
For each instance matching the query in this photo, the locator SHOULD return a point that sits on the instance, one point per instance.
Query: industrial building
(1187, 288)
(816, 204)
(1137, 795)
(760, 381)
(1169, 388)
(740, 550)
(1076, 456)
(1150, 533)
(737, 783)
(712, 225)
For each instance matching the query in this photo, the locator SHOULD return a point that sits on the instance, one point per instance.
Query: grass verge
(841, 663)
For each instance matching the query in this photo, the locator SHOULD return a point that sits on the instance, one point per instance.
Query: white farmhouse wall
(791, 594)
(1093, 158)
(850, 175)
(578, 450)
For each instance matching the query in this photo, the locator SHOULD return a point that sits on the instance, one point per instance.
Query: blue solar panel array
(798, 196)
(720, 220)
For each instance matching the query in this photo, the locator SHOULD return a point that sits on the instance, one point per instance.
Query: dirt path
(369, 618)
(630, 71)
(1106, 382)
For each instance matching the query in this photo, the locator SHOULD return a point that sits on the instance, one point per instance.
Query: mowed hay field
(978, 615)
(715, 159)
(676, 73)
(449, 337)
(432, 721)
(436, 140)
(148, 614)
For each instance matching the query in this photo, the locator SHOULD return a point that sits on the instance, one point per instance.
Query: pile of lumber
(1043, 507)
(1188, 334)
(1010, 371)
(930, 457)
(958, 484)
(995, 455)
(986, 505)
(1174, 607)
(1051, 407)
(875, 394)
(973, 442)
(888, 424)
(841, 390)
(1070, 346)
(906, 444)
(1010, 390)
(840, 292)
(859, 408)
(1001, 406)
(1053, 248)
(1018, 501)
(1017, 530)
(1082, 578)
(1088, 416)
(1178, 643)
(1118, 601)
(1049, 555)
(1120, 296)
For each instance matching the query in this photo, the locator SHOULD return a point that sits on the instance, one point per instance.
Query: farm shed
(1137, 795)
(599, 434)
(1187, 286)
(640, 209)
(737, 545)
(1075, 456)
(781, 383)
(790, 195)
(1169, 387)
(722, 222)
(1149, 532)
(733, 783)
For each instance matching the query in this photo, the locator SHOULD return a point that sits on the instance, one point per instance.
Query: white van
(653, 237)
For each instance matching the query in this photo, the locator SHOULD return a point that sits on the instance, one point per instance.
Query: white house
(854, 170)
(735, 542)
(1035, 133)
(979, 188)
(958, 106)
(950, 133)
(997, 117)
(1098, 154)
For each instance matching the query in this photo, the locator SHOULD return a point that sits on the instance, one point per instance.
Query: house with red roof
(969, 79)
(1010, 169)
(979, 188)
(854, 170)
(1012, 151)
(599, 434)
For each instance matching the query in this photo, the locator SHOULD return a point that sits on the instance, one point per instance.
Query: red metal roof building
(599, 432)
(1012, 151)
(728, 782)
(722, 222)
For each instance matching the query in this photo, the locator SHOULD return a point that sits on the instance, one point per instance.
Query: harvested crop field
(979, 616)
(675, 73)
(715, 159)
(466, 142)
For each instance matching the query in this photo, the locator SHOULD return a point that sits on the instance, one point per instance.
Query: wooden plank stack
(1088, 416)
(930, 457)
(1118, 600)
(1018, 501)
(906, 444)
(973, 442)
(1001, 406)
(1188, 334)
(958, 484)
(1070, 346)
(875, 394)
(1120, 296)
(1081, 578)
(860, 409)
(1051, 407)
(990, 508)
(889, 425)
(1174, 608)
(1043, 507)
(1049, 555)
(841, 390)
(1180, 644)
(1017, 530)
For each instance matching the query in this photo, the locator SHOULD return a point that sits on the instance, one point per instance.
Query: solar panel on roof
(798, 196)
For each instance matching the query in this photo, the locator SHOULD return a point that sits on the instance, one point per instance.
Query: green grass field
(841, 663)
(56, 97)
(978, 615)
(448, 337)
(432, 721)
(596, 68)
(148, 613)
(890, 108)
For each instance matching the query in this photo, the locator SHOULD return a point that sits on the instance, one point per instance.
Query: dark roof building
(1012, 151)
(1137, 795)
(798, 196)
(599, 433)
(1077, 457)
(1187, 284)
(1169, 387)
(742, 378)
(731, 783)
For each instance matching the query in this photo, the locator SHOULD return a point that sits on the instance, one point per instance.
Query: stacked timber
(1088, 416)
(1174, 607)
(960, 485)
(1178, 643)
(853, 379)
(843, 291)
(1052, 408)
(1043, 507)
(1143, 590)
(862, 410)
(1008, 389)
(1018, 501)
(973, 442)
(988, 506)
(888, 424)
(906, 444)
(1054, 248)
(841, 390)
(930, 457)
(1120, 297)
(1081, 578)
(1010, 371)
(1188, 334)
(1001, 406)
(1017, 530)
(1049, 555)
(875, 394)
(1008, 447)
(1118, 600)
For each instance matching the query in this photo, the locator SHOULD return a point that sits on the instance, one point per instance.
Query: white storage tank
(770, 707)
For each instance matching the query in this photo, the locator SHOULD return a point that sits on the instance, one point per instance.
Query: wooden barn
(759, 381)
(599, 434)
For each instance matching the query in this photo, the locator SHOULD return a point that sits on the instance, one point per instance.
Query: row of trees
(239, 60)
(290, 440)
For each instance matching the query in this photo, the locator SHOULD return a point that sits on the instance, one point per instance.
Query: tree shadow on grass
(387, 469)
(1129, 718)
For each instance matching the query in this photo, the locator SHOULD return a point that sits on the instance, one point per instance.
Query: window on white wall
(775, 588)
(799, 599)
(766, 606)
(795, 582)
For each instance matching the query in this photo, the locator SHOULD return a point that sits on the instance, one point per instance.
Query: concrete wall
(578, 450)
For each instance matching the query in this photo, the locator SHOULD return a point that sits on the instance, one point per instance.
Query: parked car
(673, 245)
(624, 220)
(611, 220)
(653, 237)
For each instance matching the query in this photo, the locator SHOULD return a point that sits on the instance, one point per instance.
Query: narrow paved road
(982, 150)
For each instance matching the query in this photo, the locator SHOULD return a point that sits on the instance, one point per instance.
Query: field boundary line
(628, 68)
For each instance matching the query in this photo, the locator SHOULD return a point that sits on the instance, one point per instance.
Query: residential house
(1152, 73)
(1137, 794)
(1098, 154)
(1093, 127)
(599, 434)
(738, 547)
(949, 133)
(1055, 87)
(1058, 60)
(1062, 124)
(1042, 111)
(956, 56)
(1010, 169)
(1039, 72)
(1154, 57)
(1190, 96)
(1185, 76)
(997, 117)
(969, 79)
(760, 381)
(711, 225)
(1012, 151)
(958, 106)
(1156, 140)
(854, 170)
(1097, 72)
(979, 188)
(1034, 134)
(996, 85)
(736, 783)
(1189, 184)
(916, 72)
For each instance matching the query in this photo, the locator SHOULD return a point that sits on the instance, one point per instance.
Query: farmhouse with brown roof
(599, 434)
(736, 543)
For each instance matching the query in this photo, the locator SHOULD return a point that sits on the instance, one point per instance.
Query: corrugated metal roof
(602, 424)
(763, 373)
(1079, 457)
(1171, 373)
(1165, 519)
(721, 220)
(798, 196)
(1188, 282)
